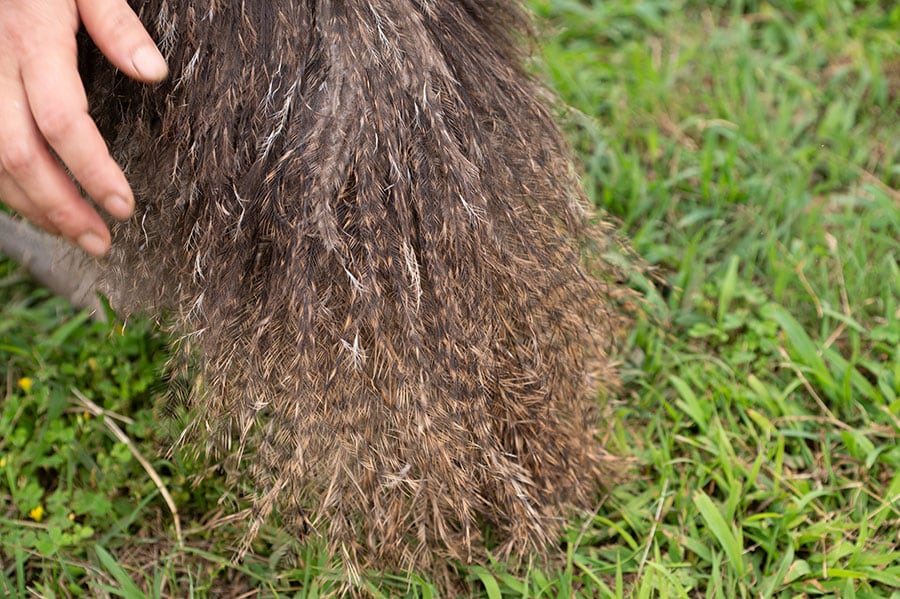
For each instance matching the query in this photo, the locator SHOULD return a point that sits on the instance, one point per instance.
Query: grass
(752, 152)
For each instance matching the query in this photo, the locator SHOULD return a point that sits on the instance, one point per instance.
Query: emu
(363, 223)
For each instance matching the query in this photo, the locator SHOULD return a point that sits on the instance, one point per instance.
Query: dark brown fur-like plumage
(367, 228)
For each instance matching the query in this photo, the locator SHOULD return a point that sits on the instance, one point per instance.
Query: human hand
(43, 110)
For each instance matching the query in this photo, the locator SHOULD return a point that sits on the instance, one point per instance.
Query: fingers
(63, 121)
(43, 111)
(94, 243)
(15, 198)
(42, 100)
(121, 37)
(32, 182)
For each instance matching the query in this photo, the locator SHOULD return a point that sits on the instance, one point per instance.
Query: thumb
(121, 37)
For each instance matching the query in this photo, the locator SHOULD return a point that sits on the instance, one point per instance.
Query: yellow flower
(92, 363)
(72, 516)
(25, 384)
(37, 514)
(2, 462)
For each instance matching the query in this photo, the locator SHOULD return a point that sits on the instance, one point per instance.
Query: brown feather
(366, 225)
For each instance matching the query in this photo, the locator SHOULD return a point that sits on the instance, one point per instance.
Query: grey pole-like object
(62, 268)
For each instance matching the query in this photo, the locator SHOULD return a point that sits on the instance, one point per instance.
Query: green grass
(752, 152)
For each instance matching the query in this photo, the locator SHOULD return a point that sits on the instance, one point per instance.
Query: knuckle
(44, 223)
(95, 174)
(122, 24)
(63, 217)
(56, 124)
(18, 158)
(122, 20)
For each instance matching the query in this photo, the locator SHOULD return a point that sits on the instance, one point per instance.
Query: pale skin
(44, 120)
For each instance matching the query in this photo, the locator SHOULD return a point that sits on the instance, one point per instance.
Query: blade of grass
(128, 588)
(730, 541)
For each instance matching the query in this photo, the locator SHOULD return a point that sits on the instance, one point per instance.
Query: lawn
(751, 151)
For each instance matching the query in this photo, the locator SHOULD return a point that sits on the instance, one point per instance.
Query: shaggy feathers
(362, 216)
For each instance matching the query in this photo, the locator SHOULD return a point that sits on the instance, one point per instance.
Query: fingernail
(118, 207)
(149, 63)
(93, 244)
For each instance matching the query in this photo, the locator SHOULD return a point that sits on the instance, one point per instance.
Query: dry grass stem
(119, 434)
